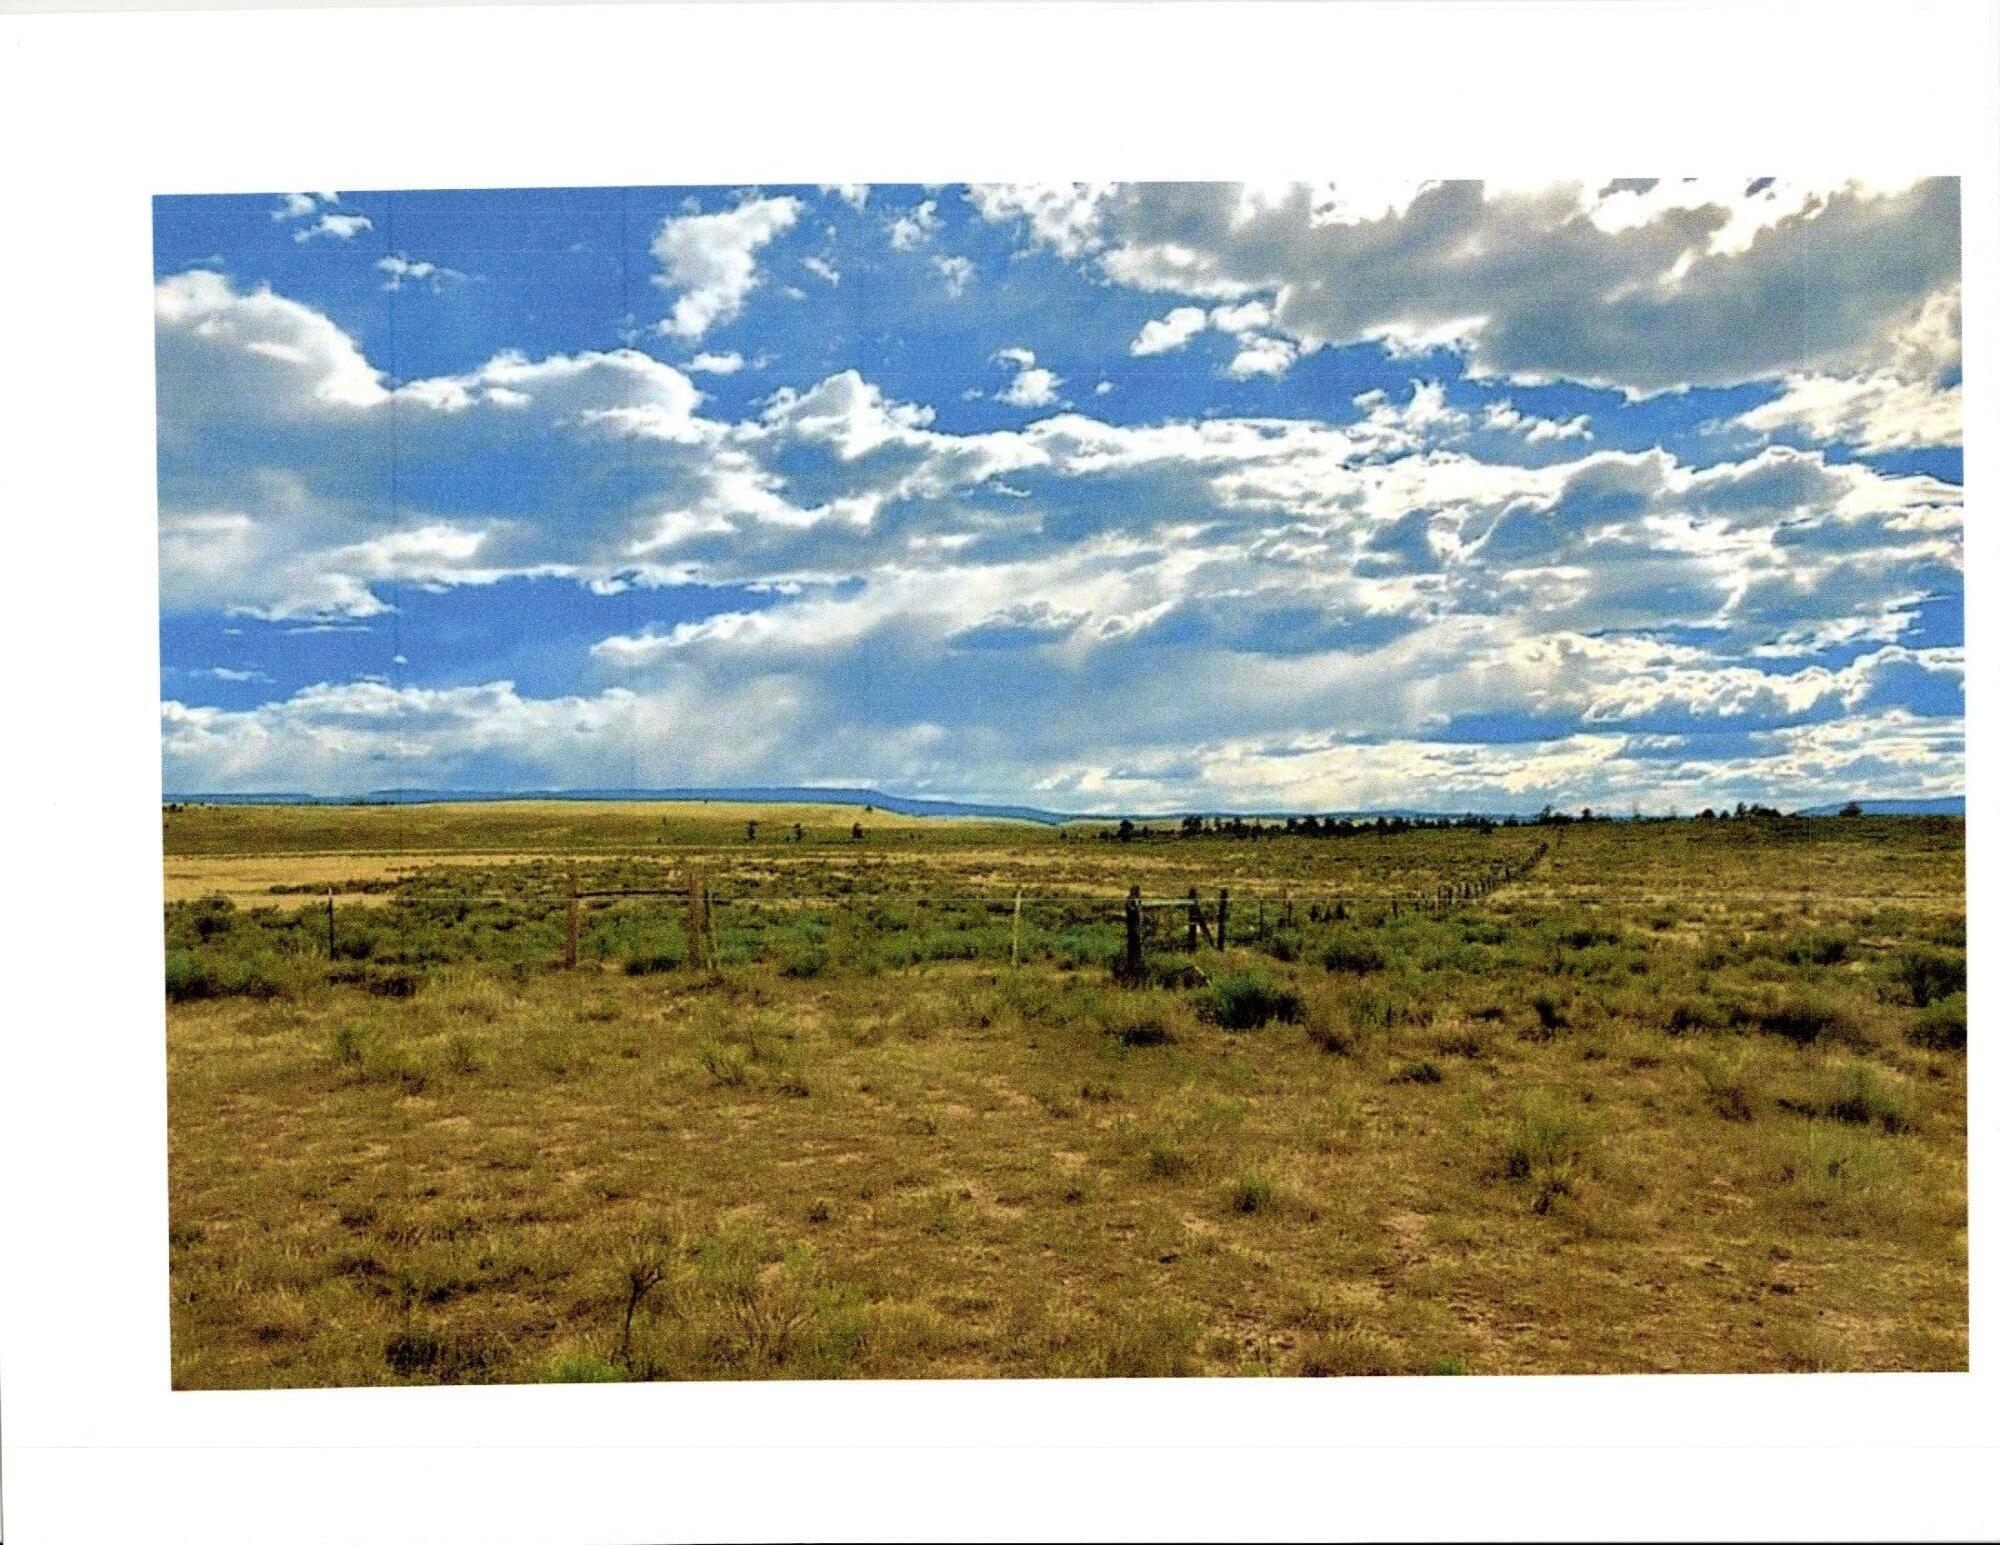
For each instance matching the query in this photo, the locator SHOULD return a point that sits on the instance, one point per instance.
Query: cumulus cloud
(1171, 331)
(1260, 356)
(404, 270)
(1508, 419)
(339, 227)
(712, 261)
(1876, 412)
(1647, 286)
(957, 272)
(1033, 386)
(915, 227)
(1065, 216)
(1228, 610)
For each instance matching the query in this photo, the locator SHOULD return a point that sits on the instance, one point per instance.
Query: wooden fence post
(694, 940)
(1222, 919)
(569, 924)
(1288, 906)
(1017, 928)
(1134, 961)
(329, 922)
(1194, 917)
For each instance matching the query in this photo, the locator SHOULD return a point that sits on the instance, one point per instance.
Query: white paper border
(98, 113)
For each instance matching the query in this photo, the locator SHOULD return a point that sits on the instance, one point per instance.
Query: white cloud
(957, 272)
(1259, 356)
(725, 364)
(1064, 216)
(1875, 412)
(821, 267)
(297, 206)
(855, 193)
(1506, 418)
(340, 227)
(1185, 595)
(1647, 287)
(911, 230)
(406, 270)
(1245, 318)
(1033, 386)
(712, 260)
(1171, 331)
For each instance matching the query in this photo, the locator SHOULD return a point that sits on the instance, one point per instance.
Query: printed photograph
(966, 781)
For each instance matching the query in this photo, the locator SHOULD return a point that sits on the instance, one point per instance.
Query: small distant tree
(1126, 829)
(855, 831)
(798, 832)
(1852, 807)
(749, 831)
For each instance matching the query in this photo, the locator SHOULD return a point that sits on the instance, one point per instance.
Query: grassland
(1684, 1096)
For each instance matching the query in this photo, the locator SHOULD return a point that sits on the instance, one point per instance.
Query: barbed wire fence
(1249, 916)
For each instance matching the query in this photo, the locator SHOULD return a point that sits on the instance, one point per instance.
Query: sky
(1631, 493)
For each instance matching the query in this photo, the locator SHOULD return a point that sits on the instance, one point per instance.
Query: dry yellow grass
(954, 1169)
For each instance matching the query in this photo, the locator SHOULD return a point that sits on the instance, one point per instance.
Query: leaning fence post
(1194, 917)
(1134, 964)
(329, 922)
(1222, 919)
(569, 924)
(1017, 927)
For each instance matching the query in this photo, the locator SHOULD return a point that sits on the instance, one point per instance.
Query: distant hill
(1953, 804)
(895, 803)
(901, 804)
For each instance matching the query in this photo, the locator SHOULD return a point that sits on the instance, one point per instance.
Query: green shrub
(1930, 975)
(1142, 1018)
(1350, 951)
(1425, 1072)
(188, 977)
(1251, 1192)
(1373, 1008)
(1856, 1094)
(349, 1045)
(1246, 1000)
(584, 1368)
(806, 961)
(1694, 1012)
(1331, 1039)
(1825, 1166)
(1818, 948)
(1546, 1149)
(1167, 1159)
(1800, 1015)
(1727, 1085)
(1941, 1024)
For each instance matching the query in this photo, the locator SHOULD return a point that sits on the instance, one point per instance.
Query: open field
(1681, 1096)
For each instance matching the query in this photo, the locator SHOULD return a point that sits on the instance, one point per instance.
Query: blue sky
(1210, 496)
